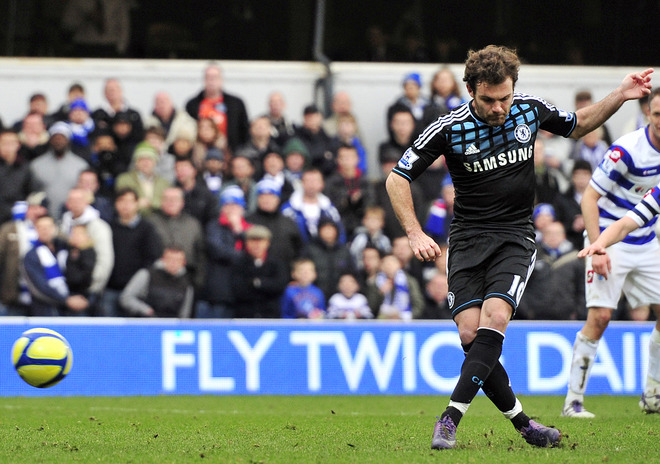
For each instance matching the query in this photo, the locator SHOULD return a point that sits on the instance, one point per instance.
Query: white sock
(517, 409)
(653, 377)
(463, 407)
(584, 353)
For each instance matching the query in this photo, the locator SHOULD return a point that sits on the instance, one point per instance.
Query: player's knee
(467, 334)
(601, 318)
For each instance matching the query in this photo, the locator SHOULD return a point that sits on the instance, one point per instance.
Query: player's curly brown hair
(492, 65)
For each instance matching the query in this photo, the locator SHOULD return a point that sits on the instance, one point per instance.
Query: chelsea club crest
(523, 133)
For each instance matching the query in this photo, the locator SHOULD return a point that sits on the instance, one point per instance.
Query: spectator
(591, 147)
(553, 242)
(347, 134)
(80, 261)
(348, 189)
(208, 137)
(115, 105)
(302, 299)
(175, 227)
(281, 128)
(76, 91)
(273, 169)
(45, 280)
(371, 259)
(414, 268)
(348, 303)
(242, 176)
(14, 174)
(320, 145)
(56, 171)
(370, 234)
(38, 104)
(544, 214)
(550, 181)
(341, 106)
(199, 202)
(224, 243)
(259, 279)
(308, 206)
(225, 110)
(88, 181)
(82, 126)
(136, 245)
(80, 212)
(584, 98)
(296, 159)
(155, 136)
(401, 133)
(641, 118)
(106, 161)
(436, 302)
(143, 179)
(286, 243)
(260, 142)
(567, 205)
(184, 142)
(330, 257)
(33, 137)
(168, 118)
(122, 128)
(17, 237)
(411, 99)
(162, 290)
(213, 171)
(441, 214)
(402, 297)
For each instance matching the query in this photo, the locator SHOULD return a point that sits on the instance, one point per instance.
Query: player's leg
(651, 396)
(584, 354)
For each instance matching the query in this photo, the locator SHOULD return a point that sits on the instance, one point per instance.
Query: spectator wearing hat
(56, 171)
(176, 227)
(225, 240)
(121, 128)
(199, 202)
(308, 206)
(227, 111)
(273, 169)
(155, 136)
(320, 145)
(258, 277)
(168, 118)
(143, 179)
(543, 214)
(296, 159)
(214, 167)
(17, 237)
(82, 125)
(14, 174)
(412, 99)
(184, 141)
(286, 243)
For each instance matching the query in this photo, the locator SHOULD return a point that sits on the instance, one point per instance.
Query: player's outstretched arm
(612, 234)
(423, 246)
(633, 87)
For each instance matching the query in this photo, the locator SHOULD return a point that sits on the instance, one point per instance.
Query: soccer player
(630, 168)
(488, 147)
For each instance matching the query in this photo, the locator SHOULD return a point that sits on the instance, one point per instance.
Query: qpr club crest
(450, 299)
(408, 159)
(523, 133)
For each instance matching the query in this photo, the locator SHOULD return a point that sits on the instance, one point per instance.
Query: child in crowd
(302, 299)
(80, 261)
(370, 234)
(348, 303)
(402, 297)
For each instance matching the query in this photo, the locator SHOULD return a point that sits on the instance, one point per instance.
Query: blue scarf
(399, 297)
(52, 270)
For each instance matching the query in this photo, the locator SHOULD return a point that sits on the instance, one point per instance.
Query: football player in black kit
(487, 144)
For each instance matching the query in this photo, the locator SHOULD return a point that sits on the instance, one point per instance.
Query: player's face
(654, 121)
(492, 103)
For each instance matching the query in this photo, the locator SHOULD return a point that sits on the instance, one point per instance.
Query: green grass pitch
(310, 429)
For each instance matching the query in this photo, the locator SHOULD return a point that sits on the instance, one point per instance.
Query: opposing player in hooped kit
(488, 147)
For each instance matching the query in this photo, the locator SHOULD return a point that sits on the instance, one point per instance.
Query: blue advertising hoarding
(116, 357)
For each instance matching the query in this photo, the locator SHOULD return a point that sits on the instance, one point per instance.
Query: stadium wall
(118, 357)
(372, 86)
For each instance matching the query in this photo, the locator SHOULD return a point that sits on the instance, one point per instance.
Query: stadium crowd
(206, 212)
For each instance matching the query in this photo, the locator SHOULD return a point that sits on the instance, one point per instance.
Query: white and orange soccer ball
(42, 357)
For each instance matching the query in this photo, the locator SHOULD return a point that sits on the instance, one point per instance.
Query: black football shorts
(488, 265)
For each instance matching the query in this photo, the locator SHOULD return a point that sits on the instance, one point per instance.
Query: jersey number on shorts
(517, 288)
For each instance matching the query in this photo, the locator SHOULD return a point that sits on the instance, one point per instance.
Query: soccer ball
(650, 402)
(42, 357)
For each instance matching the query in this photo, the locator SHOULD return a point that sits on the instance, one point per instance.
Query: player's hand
(424, 247)
(636, 85)
(601, 264)
(591, 250)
